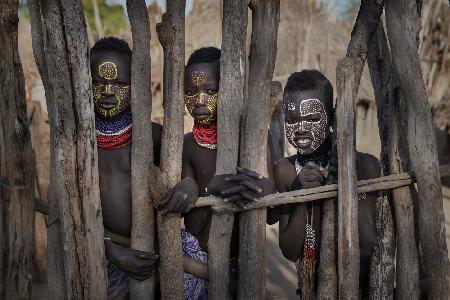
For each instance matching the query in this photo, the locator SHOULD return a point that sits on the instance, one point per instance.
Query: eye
(211, 91)
(190, 93)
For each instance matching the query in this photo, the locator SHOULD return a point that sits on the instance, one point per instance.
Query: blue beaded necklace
(116, 126)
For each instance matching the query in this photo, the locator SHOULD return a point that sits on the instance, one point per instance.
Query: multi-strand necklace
(205, 135)
(114, 133)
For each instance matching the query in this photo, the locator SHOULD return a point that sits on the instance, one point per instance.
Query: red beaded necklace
(205, 135)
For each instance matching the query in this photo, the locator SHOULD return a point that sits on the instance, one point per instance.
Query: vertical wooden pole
(55, 263)
(3, 229)
(74, 196)
(253, 154)
(143, 225)
(18, 165)
(348, 236)
(171, 35)
(389, 111)
(327, 288)
(231, 97)
(348, 73)
(403, 25)
(276, 126)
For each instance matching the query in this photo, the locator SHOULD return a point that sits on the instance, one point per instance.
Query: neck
(320, 156)
(205, 135)
(114, 133)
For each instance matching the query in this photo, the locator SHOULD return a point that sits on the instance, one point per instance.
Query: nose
(107, 91)
(202, 99)
(302, 130)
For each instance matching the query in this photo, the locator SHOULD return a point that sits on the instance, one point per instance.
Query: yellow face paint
(210, 100)
(108, 70)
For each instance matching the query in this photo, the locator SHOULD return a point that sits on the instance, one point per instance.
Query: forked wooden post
(171, 35)
(17, 266)
(74, 202)
(403, 26)
(231, 97)
(387, 95)
(143, 224)
(253, 151)
(348, 236)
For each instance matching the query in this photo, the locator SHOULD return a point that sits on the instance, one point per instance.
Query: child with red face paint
(308, 112)
(201, 84)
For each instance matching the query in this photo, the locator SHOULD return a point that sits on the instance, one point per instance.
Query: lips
(107, 103)
(201, 113)
(303, 142)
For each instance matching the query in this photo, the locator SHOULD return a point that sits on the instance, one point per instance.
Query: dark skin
(115, 178)
(199, 167)
(293, 216)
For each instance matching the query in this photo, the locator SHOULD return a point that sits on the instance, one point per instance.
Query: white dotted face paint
(303, 118)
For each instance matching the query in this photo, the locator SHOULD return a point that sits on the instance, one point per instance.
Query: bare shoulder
(367, 166)
(284, 173)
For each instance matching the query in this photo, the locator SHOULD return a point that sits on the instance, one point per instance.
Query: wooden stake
(143, 225)
(231, 97)
(253, 152)
(387, 95)
(403, 26)
(171, 35)
(18, 266)
(74, 202)
(348, 236)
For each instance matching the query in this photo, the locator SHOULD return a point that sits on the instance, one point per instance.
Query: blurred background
(313, 34)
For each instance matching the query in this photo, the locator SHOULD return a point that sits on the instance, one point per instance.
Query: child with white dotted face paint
(308, 113)
(306, 120)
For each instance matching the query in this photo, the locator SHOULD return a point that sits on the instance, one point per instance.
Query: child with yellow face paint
(111, 81)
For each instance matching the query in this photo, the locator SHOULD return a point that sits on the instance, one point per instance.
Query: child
(111, 80)
(308, 109)
(201, 84)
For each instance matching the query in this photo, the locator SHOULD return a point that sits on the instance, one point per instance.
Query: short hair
(204, 55)
(111, 44)
(307, 80)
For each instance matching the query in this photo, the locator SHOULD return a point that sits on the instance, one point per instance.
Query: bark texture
(229, 107)
(75, 224)
(171, 35)
(327, 286)
(403, 26)
(276, 126)
(18, 236)
(253, 152)
(348, 236)
(387, 96)
(143, 224)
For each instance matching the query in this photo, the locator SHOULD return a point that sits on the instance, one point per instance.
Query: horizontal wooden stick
(323, 192)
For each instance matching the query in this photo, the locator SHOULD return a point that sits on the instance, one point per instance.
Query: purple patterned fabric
(194, 288)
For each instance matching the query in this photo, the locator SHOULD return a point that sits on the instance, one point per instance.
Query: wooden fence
(76, 253)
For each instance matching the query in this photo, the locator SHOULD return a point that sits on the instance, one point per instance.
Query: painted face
(201, 92)
(306, 123)
(111, 80)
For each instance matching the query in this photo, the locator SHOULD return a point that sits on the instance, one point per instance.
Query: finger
(233, 198)
(311, 165)
(313, 178)
(236, 177)
(249, 196)
(166, 199)
(252, 186)
(249, 173)
(188, 208)
(232, 190)
(148, 256)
